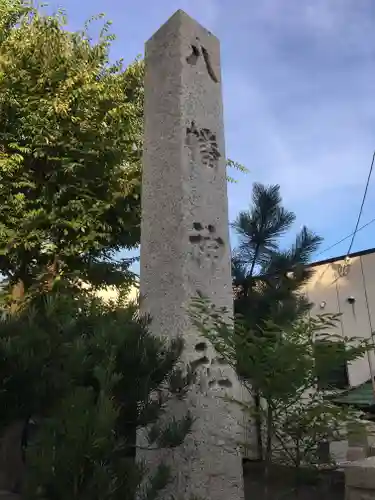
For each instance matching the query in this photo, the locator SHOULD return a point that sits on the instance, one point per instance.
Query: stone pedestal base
(360, 480)
(355, 453)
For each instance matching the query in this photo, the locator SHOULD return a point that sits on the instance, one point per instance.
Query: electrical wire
(346, 237)
(353, 235)
(338, 243)
(363, 202)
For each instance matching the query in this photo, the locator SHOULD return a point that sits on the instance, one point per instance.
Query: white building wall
(333, 283)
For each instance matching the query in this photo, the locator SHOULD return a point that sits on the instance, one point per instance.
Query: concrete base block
(360, 480)
(355, 453)
(354, 494)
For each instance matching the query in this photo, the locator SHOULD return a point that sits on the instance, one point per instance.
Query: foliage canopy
(70, 149)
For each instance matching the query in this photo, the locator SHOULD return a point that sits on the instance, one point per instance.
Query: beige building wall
(111, 293)
(332, 284)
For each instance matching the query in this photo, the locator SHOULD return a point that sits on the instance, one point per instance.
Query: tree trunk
(258, 419)
(268, 451)
(254, 261)
(269, 434)
(51, 274)
(258, 425)
(18, 292)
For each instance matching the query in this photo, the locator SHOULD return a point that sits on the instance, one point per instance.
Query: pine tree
(90, 375)
(266, 279)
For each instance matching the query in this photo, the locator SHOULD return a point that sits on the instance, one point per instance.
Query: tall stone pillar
(185, 240)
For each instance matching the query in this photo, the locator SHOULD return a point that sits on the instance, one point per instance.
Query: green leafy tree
(91, 376)
(71, 126)
(266, 278)
(281, 367)
(70, 149)
(235, 166)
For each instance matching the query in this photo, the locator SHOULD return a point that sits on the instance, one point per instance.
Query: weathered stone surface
(355, 453)
(357, 435)
(360, 480)
(357, 494)
(185, 241)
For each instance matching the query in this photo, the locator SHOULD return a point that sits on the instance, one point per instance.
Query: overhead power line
(362, 204)
(346, 237)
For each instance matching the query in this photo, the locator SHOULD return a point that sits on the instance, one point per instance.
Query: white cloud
(299, 105)
(298, 96)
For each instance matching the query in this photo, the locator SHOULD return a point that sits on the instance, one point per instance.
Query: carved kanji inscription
(203, 141)
(198, 50)
(206, 244)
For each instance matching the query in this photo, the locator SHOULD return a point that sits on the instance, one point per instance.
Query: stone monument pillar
(185, 240)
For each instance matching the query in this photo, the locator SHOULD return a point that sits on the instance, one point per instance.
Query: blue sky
(299, 100)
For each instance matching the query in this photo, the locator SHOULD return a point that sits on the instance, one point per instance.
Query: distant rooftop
(361, 396)
(342, 257)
